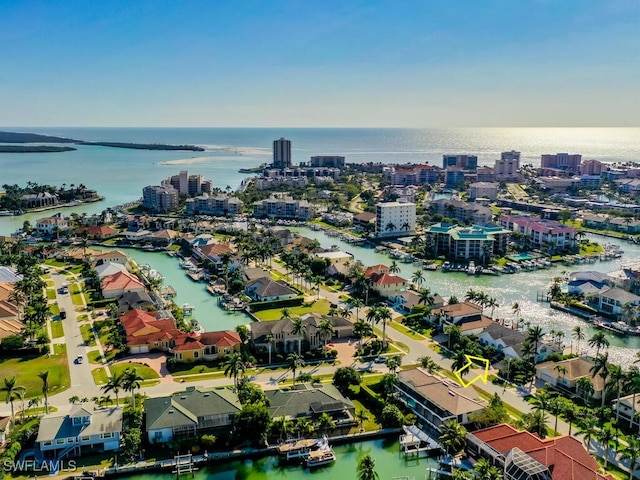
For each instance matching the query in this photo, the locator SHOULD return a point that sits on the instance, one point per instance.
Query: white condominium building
(395, 219)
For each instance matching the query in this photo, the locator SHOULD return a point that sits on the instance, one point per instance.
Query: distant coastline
(34, 149)
(18, 137)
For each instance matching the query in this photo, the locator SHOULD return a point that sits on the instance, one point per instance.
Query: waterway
(206, 309)
(389, 464)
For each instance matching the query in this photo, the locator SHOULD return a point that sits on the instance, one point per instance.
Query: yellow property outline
(470, 361)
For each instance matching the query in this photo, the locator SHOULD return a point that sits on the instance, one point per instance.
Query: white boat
(5, 213)
(471, 269)
(324, 455)
(187, 309)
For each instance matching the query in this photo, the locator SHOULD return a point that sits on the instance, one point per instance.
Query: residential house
(284, 340)
(109, 268)
(83, 430)
(206, 346)
(543, 234)
(523, 455)
(628, 408)
(215, 253)
(190, 414)
(565, 374)
(339, 262)
(468, 316)
(50, 225)
(5, 426)
(612, 301)
(9, 275)
(458, 243)
(364, 219)
(435, 400)
(144, 332)
(586, 282)
(467, 213)
(162, 238)
(385, 283)
(265, 290)
(113, 256)
(506, 340)
(97, 232)
(113, 286)
(134, 300)
(9, 313)
(311, 401)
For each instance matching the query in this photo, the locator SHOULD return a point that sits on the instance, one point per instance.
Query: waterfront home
(206, 346)
(266, 289)
(506, 340)
(406, 301)
(162, 238)
(249, 274)
(39, 200)
(215, 253)
(467, 213)
(388, 284)
(113, 256)
(466, 315)
(144, 332)
(113, 286)
(587, 282)
(612, 301)
(523, 455)
(10, 323)
(364, 219)
(9, 275)
(190, 414)
(284, 340)
(628, 408)
(566, 374)
(85, 429)
(310, 401)
(459, 243)
(134, 300)
(49, 225)
(97, 232)
(109, 268)
(435, 400)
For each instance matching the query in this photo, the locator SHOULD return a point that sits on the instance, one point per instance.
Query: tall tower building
(281, 153)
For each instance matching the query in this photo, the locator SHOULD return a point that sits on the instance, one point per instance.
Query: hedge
(286, 302)
(370, 399)
(104, 303)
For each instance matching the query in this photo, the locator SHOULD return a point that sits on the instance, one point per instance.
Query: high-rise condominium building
(467, 162)
(562, 161)
(281, 153)
(395, 219)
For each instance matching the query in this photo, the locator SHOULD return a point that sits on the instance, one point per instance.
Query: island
(15, 200)
(18, 137)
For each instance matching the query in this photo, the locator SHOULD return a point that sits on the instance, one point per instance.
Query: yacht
(324, 455)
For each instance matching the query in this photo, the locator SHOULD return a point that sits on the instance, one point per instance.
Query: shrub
(391, 417)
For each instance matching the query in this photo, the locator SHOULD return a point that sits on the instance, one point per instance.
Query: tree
(601, 367)
(534, 422)
(130, 382)
(269, 338)
(417, 278)
(391, 417)
(12, 391)
(299, 328)
(631, 451)
(251, 424)
(383, 315)
(325, 330)
(294, 361)
(393, 363)
(362, 329)
(344, 377)
(234, 366)
(367, 468)
(485, 471)
(534, 335)
(541, 401)
(361, 416)
(585, 387)
(243, 333)
(588, 424)
(325, 423)
(454, 334)
(605, 436)
(453, 437)
(426, 297)
(599, 341)
(578, 335)
(429, 364)
(44, 376)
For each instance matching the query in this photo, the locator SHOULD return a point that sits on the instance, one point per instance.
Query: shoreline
(59, 205)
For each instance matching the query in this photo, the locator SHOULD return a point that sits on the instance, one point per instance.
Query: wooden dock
(414, 441)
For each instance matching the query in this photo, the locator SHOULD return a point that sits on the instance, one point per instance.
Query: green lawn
(87, 335)
(56, 329)
(54, 263)
(83, 318)
(27, 369)
(54, 309)
(51, 294)
(198, 378)
(77, 299)
(145, 372)
(407, 331)
(320, 306)
(94, 356)
(99, 376)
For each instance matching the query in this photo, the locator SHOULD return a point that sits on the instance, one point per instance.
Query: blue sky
(423, 63)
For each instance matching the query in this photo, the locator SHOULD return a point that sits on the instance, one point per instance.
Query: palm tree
(452, 437)
(534, 335)
(459, 362)
(131, 381)
(383, 315)
(394, 268)
(585, 386)
(493, 304)
(578, 335)
(588, 424)
(294, 361)
(601, 367)
(453, 333)
(325, 330)
(631, 451)
(599, 341)
(114, 384)
(426, 297)
(361, 416)
(44, 376)
(234, 366)
(485, 471)
(633, 383)
(269, 339)
(367, 468)
(515, 308)
(429, 364)
(13, 391)
(285, 313)
(617, 379)
(357, 304)
(605, 436)
(362, 329)
(299, 328)
(390, 227)
(417, 278)
(325, 423)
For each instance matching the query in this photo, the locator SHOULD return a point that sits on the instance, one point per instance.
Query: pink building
(592, 167)
(563, 161)
(542, 234)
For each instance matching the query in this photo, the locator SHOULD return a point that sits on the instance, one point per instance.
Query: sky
(327, 63)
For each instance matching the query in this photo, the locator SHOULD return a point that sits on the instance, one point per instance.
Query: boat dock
(415, 441)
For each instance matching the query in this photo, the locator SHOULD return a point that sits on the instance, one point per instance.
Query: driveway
(157, 361)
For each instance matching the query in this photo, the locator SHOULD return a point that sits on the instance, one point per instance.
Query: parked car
(79, 359)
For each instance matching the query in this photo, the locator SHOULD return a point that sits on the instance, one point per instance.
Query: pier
(415, 441)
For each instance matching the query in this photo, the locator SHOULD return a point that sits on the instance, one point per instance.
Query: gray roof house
(611, 301)
(83, 430)
(130, 300)
(189, 413)
(285, 341)
(311, 401)
(265, 289)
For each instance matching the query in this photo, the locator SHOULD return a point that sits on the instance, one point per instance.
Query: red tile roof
(96, 230)
(375, 269)
(386, 279)
(215, 249)
(565, 456)
(121, 281)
